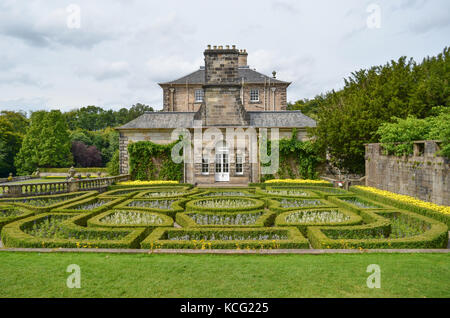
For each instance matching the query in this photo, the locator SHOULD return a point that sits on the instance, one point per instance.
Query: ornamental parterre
(257, 217)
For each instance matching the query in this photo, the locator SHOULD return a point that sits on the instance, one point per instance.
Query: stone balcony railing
(48, 188)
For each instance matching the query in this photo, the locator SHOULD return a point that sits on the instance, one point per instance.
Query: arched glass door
(222, 164)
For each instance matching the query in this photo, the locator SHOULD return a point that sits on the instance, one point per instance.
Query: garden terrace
(179, 216)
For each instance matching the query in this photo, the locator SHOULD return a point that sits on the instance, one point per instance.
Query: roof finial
(274, 74)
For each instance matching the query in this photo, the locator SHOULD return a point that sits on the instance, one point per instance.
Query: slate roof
(249, 76)
(281, 119)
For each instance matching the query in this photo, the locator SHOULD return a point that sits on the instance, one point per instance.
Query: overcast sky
(117, 51)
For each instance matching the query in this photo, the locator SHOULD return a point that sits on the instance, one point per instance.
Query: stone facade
(179, 95)
(423, 175)
(226, 82)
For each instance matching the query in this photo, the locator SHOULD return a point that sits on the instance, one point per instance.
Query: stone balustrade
(48, 188)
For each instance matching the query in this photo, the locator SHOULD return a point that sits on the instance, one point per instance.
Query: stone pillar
(123, 154)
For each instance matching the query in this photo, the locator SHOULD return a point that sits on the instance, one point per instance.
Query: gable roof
(249, 76)
(266, 119)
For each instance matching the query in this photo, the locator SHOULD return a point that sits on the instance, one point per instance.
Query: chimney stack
(243, 58)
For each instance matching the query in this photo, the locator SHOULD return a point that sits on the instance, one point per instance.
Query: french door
(222, 166)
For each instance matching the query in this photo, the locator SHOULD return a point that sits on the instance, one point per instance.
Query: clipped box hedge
(274, 204)
(309, 194)
(256, 205)
(160, 239)
(13, 235)
(176, 206)
(180, 192)
(151, 186)
(339, 200)
(264, 220)
(359, 236)
(10, 213)
(96, 221)
(354, 219)
(72, 207)
(445, 218)
(229, 192)
(73, 197)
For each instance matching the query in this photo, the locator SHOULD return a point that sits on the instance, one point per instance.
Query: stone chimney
(222, 104)
(243, 58)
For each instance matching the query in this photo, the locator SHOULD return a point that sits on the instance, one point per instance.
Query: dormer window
(199, 95)
(254, 95)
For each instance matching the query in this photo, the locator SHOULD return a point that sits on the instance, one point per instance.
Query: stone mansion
(223, 95)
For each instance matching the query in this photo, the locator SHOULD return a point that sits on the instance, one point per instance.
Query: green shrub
(165, 206)
(99, 220)
(218, 219)
(222, 204)
(10, 213)
(284, 204)
(67, 233)
(377, 234)
(90, 205)
(45, 203)
(445, 218)
(242, 238)
(289, 218)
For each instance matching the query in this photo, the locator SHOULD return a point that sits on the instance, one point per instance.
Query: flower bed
(168, 192)
(317, 217)
(167, 206)
(251, 238)
(130, 219)
(224, 204)
(64, 230)
(146, 183)
(287, 192)
(356, 203)
(46, 203)
(211, 193)
(258, 218)
(98, 204)
(10, 213)
(401, 229)
(438, 212)
(298, 182)
(282, 204)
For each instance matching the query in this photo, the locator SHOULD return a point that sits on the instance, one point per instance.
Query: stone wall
(423, 175)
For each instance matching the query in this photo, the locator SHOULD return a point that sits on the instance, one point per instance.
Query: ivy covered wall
(298, 159)
(150, 161)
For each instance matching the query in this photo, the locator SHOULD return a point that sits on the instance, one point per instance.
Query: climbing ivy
(150, 161)
(297, 159)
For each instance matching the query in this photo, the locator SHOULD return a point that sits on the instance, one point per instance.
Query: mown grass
(144, 275)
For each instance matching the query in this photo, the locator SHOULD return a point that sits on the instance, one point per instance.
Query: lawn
(143, 275)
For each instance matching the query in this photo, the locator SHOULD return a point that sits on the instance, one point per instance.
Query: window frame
(205, 164)
(239, 163)
(254, 91)
(202, 94)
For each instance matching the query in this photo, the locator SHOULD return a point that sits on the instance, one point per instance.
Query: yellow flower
(297, 181)
(149, 182)
(407, 199)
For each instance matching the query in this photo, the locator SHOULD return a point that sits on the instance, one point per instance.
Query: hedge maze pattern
(262, 216)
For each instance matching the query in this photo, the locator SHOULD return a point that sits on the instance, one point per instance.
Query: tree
(10, 142)
(86, 156)
(350, 117)
(46, 144)
(27, 160)
(113, 164)
(54, 148)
